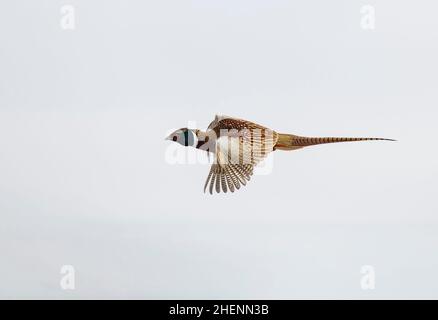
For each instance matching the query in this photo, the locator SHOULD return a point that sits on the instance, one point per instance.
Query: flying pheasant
(239, 145)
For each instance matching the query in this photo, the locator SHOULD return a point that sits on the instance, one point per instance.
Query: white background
(83, 176)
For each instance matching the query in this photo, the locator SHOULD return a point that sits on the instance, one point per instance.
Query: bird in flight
(239, 145)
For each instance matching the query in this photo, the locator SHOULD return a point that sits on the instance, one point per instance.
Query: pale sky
(84, 179)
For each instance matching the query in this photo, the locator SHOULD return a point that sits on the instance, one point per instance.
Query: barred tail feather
(292, 142)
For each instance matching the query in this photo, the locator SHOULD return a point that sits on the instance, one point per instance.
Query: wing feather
(213, 177)
(223, 181)
(218, 180)
(208, 178)
(229, 179)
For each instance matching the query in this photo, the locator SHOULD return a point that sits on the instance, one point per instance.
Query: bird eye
(175, 138)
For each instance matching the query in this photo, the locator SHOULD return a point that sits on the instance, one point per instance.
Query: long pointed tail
(292, 142)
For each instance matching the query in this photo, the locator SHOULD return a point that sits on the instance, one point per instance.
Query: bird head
(185, 137)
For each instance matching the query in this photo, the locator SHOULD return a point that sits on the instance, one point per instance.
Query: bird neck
(203, 140)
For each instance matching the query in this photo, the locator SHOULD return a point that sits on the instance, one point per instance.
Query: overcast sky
(85, 181)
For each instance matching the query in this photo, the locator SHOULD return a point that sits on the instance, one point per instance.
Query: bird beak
(170, 136)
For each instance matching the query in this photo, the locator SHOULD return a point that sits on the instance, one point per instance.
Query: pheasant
(239, 145)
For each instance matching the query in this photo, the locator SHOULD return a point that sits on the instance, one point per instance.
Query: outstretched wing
(228, 177)
(227, 174)
(240, 146)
